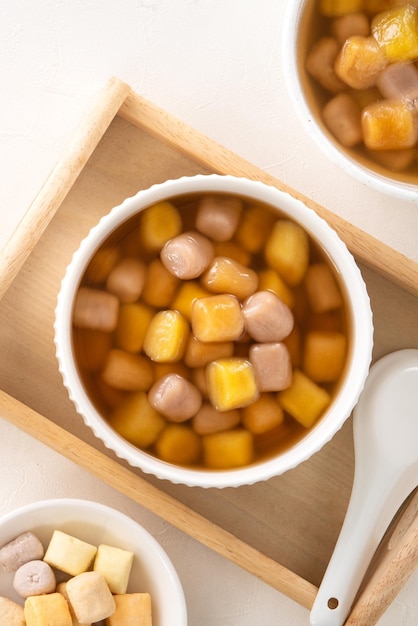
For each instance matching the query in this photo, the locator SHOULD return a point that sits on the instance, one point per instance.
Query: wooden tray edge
(117, 98)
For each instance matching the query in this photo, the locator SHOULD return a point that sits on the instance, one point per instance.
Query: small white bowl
(358, 311)
(152, 570)
(298, 35)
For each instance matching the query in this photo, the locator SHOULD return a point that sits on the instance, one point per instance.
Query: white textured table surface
(216, 64)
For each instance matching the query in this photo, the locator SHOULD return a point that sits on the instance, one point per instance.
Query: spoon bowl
(385, 424)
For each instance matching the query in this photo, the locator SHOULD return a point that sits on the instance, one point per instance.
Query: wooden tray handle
(28, 232)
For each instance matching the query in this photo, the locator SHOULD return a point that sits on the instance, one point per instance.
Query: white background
(217, 65)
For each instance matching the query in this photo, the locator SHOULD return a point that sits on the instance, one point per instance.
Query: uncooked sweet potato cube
(342, 116)
(228, 449)
(324, 355)
(389, 125)
(320, 64)
(166, 337)
(321, 288)
(396, 32)
(287, 251)
(360, 62)
(115, 564)
(231, 383)
(132, 609)
(48, 608)
(304, 400)
(69, 554)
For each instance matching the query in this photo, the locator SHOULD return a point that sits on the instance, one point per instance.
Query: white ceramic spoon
(385, 424)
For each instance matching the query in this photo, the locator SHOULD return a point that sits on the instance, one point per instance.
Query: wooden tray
(284, 530)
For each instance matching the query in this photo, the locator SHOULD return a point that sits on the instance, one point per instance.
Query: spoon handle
(373, 503)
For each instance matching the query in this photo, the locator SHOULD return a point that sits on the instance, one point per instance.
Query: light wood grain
(156, 501)
(164, 126)
(399, 560)
(135, 135)
(60, 181)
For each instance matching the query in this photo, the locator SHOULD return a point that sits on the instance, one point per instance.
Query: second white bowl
(95, 523)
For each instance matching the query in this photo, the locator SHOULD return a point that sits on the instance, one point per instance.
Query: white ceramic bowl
(152, 570)
(358, 308)
(298, 35)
